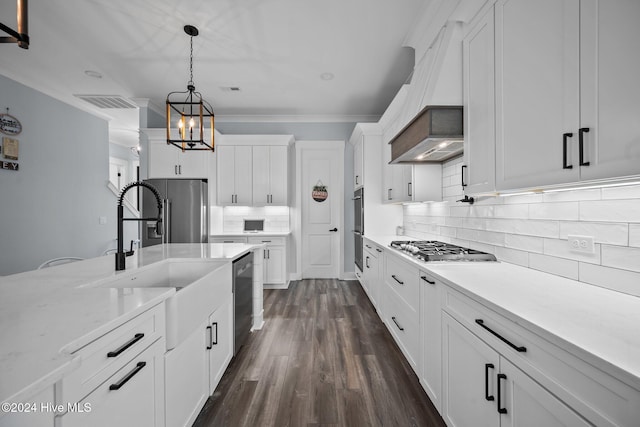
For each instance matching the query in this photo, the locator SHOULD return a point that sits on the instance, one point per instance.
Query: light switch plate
(583, 244)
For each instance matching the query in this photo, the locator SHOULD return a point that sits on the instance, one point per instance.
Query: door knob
(334, 229)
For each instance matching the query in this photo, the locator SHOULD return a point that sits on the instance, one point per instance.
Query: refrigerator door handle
(166, 212)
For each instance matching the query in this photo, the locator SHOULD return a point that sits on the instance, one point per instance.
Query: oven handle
(357, 232)
(357, 198)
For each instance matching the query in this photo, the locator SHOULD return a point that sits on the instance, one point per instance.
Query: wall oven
(358, 221)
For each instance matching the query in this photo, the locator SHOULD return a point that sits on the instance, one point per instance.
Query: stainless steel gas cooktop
(433, 250)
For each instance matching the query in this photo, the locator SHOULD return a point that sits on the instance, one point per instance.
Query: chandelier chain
(191, 63)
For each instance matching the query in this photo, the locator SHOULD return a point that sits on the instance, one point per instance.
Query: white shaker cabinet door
(244, 176)
(226, 175)
(220, 341)
(610, 92)
(278, 175)
(537, 91)
(261, 182)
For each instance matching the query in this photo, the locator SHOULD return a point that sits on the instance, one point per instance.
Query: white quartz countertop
(44, 311)
(595, 324)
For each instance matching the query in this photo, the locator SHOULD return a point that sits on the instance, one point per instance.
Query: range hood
(433, 136)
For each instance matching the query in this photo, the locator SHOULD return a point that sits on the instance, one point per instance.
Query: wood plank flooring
(323, 358)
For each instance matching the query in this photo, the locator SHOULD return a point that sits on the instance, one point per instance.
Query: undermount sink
(199, 285)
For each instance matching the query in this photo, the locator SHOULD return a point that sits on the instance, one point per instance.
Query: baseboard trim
(276, 286)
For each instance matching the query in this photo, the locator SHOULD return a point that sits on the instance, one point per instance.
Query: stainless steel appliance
(358, 222)
(242, 299)
(185, 212)
(433, 250)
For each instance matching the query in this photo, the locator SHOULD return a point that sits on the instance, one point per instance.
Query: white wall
(51, 206)
(531, 230)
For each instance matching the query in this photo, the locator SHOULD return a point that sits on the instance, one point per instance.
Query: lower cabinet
(431, 337)
(483, 388)
(131, 396)
(373, 273)
(195, 366)
(275, 260)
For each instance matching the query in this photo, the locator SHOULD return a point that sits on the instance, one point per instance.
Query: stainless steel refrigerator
(185, 212)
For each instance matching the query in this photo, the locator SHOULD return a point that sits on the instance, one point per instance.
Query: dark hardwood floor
(324, 357)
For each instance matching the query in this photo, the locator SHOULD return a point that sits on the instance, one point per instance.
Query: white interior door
(322, 164)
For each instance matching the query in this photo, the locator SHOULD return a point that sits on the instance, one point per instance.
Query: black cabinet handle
(366, 262)
(379, 250)
(565, 137)
(214, 342)
(581, 133)
(210, 337)
(369, 247)
(179, 169)
(520, 349)
(396, 279)
(409, 189)
(487, 366)
(464, 184)
(334, 229)
(175, 169)
(132, 341)
(127, 377)
(389, 194)
(356, 179)
(397, 324)
(431, 282)
(501, 410)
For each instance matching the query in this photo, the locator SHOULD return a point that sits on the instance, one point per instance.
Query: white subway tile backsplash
(554, 265)
(558, 211)
(634, 235)
(531, 229)
(611, 210)
(622, 257)
(612, 233)
(611, 278)
(525, 243)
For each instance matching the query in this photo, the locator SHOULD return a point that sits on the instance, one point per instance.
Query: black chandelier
(189, 132)
(21, 34)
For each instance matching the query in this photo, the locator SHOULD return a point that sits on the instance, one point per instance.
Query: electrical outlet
(583, 244)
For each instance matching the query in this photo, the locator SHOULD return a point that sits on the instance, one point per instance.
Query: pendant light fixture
(21, 34)
(188, 132)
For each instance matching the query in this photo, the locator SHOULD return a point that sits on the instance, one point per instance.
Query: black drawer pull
(396, 279)
(581, 133)
(487, 366)
(214, 342)
(431, 282)
(210, 341)
(520, 349)
(501, 410)
(127, 377)
(379, 250)
(464, 184)
(397, 324)
(132, 341)
(565, 137)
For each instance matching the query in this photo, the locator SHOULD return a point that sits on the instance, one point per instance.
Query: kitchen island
(48, 315)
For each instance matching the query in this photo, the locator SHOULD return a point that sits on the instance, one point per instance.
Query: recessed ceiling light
(327, 76)
(94, 74)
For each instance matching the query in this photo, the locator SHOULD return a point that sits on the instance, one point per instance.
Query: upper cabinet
(566, 92)
(168, 161)
(252, 170)
(479, 107)
(358, 162)
(270, 175)
(234, 175)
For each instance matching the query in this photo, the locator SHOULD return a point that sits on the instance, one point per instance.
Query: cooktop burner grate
(433, 250)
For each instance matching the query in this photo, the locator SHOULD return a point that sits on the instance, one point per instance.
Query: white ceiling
(275, 51)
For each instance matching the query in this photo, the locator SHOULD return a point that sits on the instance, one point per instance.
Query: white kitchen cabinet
(235, 175)
(187, 378)
(275, 260)
(358, 163)
(431, 338)
(230, 239)
(270, 175)
(372, 274)
(133, 395)
(482, 388)
(479, 106)
(411, 183)
(168, 161)
(575, 118)
(220, 338)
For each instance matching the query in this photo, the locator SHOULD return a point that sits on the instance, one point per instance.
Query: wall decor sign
(9, 125)
(319, 192)
(12, 166)
(10, 148)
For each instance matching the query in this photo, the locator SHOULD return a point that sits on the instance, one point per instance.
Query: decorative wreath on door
(319, 192)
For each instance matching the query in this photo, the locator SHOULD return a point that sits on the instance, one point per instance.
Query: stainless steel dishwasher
(242, 299)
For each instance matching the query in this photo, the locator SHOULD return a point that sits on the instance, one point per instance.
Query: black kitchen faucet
(121, 255)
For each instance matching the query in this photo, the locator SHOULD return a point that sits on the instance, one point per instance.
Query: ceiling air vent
(107, 101)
